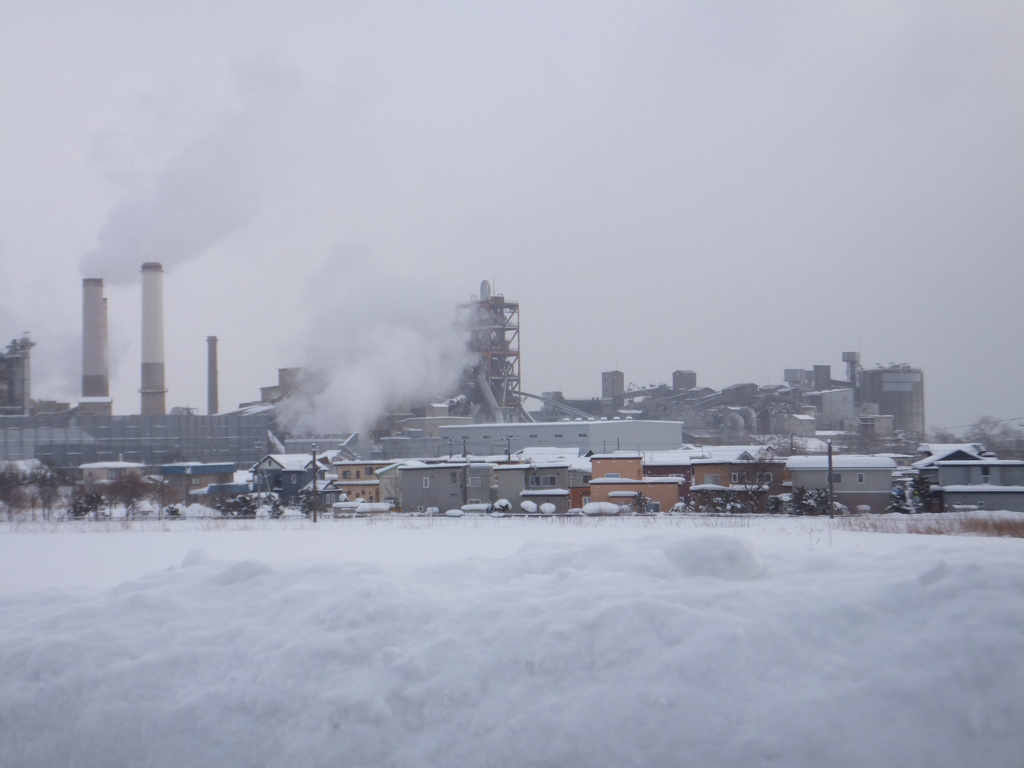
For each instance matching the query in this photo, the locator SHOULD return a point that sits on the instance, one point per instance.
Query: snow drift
(791, 646)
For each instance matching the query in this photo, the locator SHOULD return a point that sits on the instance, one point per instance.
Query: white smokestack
(152, 389)
(95, 381)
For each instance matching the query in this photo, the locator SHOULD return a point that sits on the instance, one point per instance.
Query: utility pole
(508, 448)
(465, 440)
(450, 441)
(831, 506)
(316, 494)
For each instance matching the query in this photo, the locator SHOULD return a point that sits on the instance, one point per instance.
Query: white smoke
(381, 342)
(210, 189)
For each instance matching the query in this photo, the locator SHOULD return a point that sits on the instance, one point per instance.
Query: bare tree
(128, 491)
(753, 479)
(1000, 436)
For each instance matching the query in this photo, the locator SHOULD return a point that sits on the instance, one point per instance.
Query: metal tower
(494, 338)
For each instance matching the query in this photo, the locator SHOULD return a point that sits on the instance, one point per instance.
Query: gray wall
(450, 486)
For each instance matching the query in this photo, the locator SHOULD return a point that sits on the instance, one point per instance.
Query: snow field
(518, 643)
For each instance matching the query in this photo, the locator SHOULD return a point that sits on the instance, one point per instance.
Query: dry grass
(939, 525)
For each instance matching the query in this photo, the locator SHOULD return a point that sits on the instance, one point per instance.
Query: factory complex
(487, 413)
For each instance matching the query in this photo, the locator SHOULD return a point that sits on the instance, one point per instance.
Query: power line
(989, 421)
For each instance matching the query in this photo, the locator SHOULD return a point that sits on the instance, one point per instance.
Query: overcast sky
(732, 188)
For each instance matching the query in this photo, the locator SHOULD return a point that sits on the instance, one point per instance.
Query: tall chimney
(95, 382)
(211, 375)
(153, 390)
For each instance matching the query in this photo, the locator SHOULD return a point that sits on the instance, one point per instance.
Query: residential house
(105, 472)
(283, 473)
(860, 483)
(444, 485)
(183, 478)
(543, 482)
(619, 478)
(735, 477)
(358, 479)
(985, 483)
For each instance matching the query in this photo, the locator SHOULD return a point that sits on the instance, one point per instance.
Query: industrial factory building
(16, 378)
(69, 439)
(88, 432)
(587, 436)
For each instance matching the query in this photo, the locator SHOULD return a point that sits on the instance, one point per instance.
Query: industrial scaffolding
(494, 381)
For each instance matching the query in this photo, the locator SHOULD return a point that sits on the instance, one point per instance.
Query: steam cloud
(373, 357)
(209, 190)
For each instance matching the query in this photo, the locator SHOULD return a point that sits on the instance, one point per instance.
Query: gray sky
(732, 188)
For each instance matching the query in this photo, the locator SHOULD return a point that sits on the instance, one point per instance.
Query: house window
(295, 479)
(549, 480)
(586, 499)
(582, 434)
(654, 506)
(739, 477)
(196, 480)
(453, 477)
(713, 479)
(346, 474)
(558, 435)
(426, 482)
(837, 477)
(986, 474)
(357, 474)
(474, 482)
(764, 477)
(612, 474)
(533, 437)
(860, 478)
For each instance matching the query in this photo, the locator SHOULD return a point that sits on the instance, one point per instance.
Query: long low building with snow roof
(593, 436)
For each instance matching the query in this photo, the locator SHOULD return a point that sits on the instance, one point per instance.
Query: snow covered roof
(935, 448)
(446, 465)
(981, 463)
(22, 465)
(547, 452)
(840, 462)
(630, 481)
(961, 452)
(983, 488)
(292, 462)
(111, 465)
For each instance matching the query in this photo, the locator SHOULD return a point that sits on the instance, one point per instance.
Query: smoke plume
(207, 191)
(380, 343)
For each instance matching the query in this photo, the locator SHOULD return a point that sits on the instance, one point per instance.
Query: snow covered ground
(509, 642)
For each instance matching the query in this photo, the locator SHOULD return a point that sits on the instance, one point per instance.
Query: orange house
(618, 478)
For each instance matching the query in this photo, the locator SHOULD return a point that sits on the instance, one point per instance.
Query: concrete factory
(487, 411)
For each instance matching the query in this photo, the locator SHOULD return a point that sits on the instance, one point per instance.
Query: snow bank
(606, 645)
